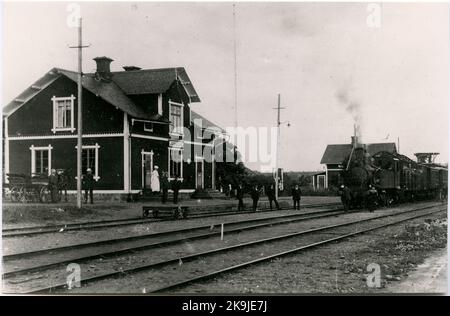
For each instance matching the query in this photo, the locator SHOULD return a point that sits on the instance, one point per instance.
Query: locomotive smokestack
(354, 141)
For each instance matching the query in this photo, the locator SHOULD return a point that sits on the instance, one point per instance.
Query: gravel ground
(153, 279)
(13, 245)
(20, 215)
(338, 268)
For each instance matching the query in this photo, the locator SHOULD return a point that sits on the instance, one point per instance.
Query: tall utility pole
(79, 111)
(278, 108)
(235, 68)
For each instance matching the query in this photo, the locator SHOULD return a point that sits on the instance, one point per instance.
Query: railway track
(192, 259)
(45, 229)
(33, 261)
(340, 237)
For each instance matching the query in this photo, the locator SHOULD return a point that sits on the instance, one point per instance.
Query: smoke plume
(353, 107)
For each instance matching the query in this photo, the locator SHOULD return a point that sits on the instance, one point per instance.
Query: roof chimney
(103, 67)
(130, 68)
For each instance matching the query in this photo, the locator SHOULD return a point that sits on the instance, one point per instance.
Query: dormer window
(63, 114)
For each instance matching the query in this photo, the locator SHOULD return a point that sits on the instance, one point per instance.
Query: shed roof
(338, 153)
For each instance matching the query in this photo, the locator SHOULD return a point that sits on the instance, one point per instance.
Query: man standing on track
(255, 197)
(240, 196)
(175, 188)
(296, 196)
(271, 196)
(345, 197)
(164, 187)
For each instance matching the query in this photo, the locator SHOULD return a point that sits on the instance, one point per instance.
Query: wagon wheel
(45, 195)
(16, 194)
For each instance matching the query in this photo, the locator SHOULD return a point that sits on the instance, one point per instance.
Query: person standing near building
(176, 189)
(271, 196)
(240, 197)
(88, 183)
(154, 180)
(164, 187)
(53, 186)
(296, 196)
(62, 184)
(255, 197)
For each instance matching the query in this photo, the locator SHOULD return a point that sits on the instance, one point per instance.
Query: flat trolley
(172, 212)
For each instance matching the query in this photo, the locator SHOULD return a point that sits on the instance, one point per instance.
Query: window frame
(55, 101)
(181, 127)
(33, 157)
(170, 149)
(148, 129)
(96, 147)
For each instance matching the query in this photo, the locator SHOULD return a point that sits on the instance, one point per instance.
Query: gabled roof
(338, 153)
(30, 92)
(115, 92)
(206, 124)
(108, 91)
(150, 81)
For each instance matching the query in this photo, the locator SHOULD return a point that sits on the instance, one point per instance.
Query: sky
(332, 63)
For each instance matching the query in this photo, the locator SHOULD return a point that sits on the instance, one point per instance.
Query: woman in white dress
(154, 180)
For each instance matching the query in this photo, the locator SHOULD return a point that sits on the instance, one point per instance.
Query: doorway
(199, 173)
(147, 168)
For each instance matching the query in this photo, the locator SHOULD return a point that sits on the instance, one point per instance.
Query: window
(41, 159)
(176, 117)
(89, 159)
(175, 163)
(63, 119)
(148, 126)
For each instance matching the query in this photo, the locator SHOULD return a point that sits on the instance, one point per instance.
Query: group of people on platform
(255, 194)
(161, 185)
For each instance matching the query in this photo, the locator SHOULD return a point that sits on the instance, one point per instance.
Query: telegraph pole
(79, 111)
(278, 108)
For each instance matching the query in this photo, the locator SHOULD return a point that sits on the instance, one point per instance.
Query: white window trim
(148, 129)
(181, 105)
(198, 159)
(168, 163)
(144, 122)
(160, 104)
(96, 147)
(143, 153)
(33, 157)
(71, 128)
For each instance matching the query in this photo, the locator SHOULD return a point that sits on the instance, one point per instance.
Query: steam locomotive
(396, 178)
